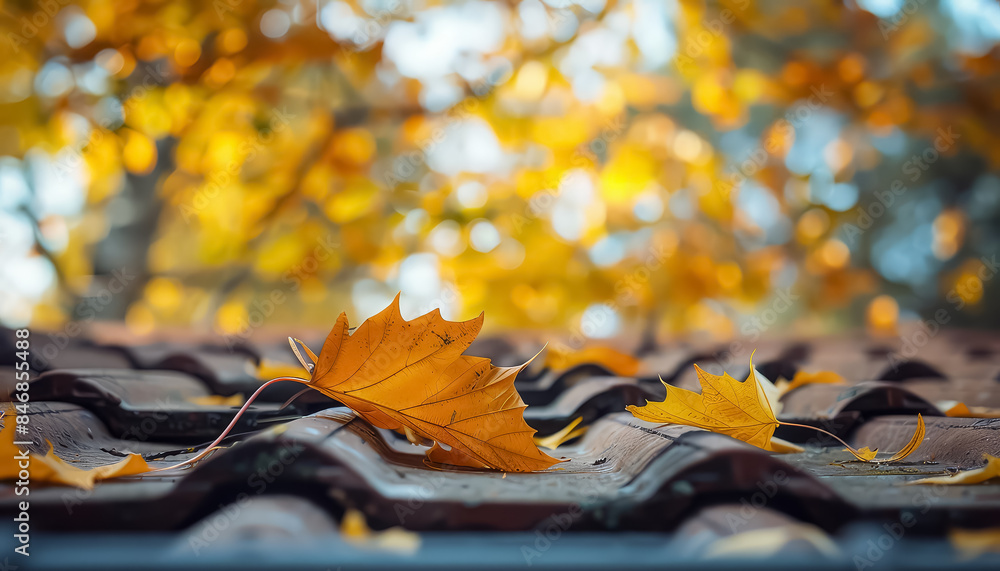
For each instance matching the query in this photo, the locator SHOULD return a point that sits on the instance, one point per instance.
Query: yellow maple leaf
(742, 410)
(53, 469)
(411, 376)
(988, 472)
(725, 405)
(619, 363)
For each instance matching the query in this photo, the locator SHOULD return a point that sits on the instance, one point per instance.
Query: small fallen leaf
(218, 400)
(961, 410)
(53, 469)
(269, 369)
(557, 439)
(621, 364)
(984, 412)
(954, 408)
(803, 378)
(400, 374)
(966, 477)
(866, 454)
(972, 543)
(768, 542)
(354, 529)
(913, 444)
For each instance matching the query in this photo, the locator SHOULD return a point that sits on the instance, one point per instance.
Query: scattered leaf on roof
(269, 369)
(966, 477)
(742, 410)
(913, 444)
(768, 542)
(866, 454)
(401, 375)
(557, 439)
(354, 529)
(971, 543)
(218, 400)
(961, 410)
(53, 469)
(621, 364)
(803, 378)
(725, 405)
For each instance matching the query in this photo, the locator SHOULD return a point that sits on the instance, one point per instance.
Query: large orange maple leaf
(411, 376)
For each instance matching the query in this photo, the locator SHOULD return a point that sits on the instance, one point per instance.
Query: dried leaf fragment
(768, 542)
(354, 529)
(866, 454)
(803, 378)
(53, 469)
(914, 443)
(961, 410)
(988, 472)
(218, 400)
(567, 433)
(269, 369)
(972, 543)
(621, 364)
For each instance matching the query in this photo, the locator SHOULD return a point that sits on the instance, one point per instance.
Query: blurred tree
(571, 165)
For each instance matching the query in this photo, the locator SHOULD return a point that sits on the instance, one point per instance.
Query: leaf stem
(830, 434)
(208, 450)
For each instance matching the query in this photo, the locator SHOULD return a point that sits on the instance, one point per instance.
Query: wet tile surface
(290, 474)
